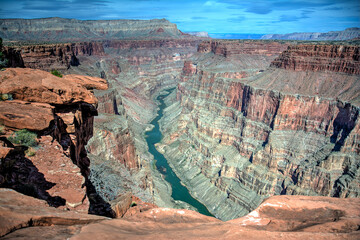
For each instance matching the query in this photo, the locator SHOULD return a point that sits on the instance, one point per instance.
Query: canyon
(247, 120)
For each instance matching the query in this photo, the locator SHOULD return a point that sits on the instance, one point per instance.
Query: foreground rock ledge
(294, 217)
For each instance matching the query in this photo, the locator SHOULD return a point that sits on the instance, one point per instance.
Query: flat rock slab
(20, 211)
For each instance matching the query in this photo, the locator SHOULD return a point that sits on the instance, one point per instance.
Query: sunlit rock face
(245, 131)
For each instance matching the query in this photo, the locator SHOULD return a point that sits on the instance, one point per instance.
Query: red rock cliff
(333, 58)
(51, 56)
(229, 48)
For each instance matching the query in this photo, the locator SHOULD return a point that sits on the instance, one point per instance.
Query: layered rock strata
(320, 58)
(235, 139)
(61, 112)
(73, 30)
(51, 56)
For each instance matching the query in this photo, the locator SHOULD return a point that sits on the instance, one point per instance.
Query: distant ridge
(236, 35)
(64, 30)
(349, 33)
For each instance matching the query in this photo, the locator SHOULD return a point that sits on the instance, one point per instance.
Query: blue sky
(214, 16)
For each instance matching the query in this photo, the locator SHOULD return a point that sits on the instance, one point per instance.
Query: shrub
(24, 137)
(56, 73)
(30, 152)
(6, 96)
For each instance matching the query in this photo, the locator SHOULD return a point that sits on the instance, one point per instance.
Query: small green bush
(56, 73)
(133, 204)
(30, 152)
(6, 96)
(24, 137)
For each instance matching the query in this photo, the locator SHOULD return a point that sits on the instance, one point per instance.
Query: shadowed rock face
(244, 134)
(294, 217)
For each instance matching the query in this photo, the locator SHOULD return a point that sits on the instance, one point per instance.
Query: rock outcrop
(349, 33)
(61, 111)
(293, 217)
(238, 134)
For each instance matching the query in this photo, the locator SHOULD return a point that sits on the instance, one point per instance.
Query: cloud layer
(214, 16)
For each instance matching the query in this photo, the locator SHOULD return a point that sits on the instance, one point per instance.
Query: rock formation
(61, 111)
(349, 33)
(245, 131)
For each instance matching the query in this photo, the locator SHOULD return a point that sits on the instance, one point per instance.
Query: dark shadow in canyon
(343, 125)
(23, 176)
(98, 206)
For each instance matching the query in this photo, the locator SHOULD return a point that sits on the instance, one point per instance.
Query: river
(179, 191)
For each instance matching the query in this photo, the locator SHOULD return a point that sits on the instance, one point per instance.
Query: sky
(214, 16)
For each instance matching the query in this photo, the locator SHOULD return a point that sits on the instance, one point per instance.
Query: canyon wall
(320, 58)
(137, 70)
(51, 56)
(235, 139)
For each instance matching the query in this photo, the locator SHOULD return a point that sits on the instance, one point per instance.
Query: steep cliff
(61, 112)
(51, 56)
(241, 133)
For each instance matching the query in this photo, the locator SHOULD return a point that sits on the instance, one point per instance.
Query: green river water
(179, 191)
